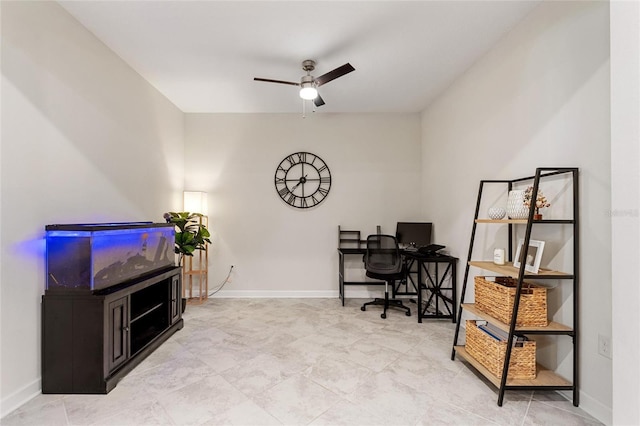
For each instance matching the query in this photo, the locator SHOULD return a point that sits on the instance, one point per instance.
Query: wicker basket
(497, 298)
(491, 352)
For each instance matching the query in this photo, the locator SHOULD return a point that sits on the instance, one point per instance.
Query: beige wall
(278, 250)
(84, 139)
(540, 97)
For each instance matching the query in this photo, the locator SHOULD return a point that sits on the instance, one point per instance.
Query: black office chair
(383, 261)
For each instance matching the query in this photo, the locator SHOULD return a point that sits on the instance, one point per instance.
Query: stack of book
(499, 334)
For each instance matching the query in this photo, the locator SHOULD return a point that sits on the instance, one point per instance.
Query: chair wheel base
(387, 303)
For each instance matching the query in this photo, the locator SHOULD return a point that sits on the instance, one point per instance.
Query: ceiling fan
(309, 84)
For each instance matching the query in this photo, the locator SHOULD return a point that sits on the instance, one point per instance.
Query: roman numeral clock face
(303, 180)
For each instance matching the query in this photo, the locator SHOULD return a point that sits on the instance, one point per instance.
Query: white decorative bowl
(497, 213)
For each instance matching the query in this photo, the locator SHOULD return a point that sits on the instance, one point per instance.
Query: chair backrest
(383, 255)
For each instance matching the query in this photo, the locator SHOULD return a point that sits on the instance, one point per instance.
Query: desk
(342, 252)
(437, 281)
(434, 293)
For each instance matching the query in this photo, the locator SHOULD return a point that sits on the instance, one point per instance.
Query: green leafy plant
(191, 234)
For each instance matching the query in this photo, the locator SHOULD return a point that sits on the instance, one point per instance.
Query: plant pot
(537, 216)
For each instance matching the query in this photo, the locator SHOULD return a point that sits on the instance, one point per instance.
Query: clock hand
(302, 179)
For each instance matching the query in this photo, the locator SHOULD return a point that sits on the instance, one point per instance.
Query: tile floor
(301, 362)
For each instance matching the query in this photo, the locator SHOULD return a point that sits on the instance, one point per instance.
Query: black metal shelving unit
(545, 379)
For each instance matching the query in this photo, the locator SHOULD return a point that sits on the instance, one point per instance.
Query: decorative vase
(515, 205)
(496, 213)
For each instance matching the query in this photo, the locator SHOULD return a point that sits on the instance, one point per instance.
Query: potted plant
(541, 201)
(191, 235)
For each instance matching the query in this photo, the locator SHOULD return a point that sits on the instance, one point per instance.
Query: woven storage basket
(491, 352)
(497, 298)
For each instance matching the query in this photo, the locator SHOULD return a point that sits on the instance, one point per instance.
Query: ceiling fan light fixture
(308, 92)
(309, 84)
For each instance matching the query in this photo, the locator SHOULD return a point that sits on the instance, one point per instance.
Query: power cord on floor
(221, 286)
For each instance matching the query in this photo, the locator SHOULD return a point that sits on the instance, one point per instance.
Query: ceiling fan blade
(332, 75)
(318, 101)
(268, 80)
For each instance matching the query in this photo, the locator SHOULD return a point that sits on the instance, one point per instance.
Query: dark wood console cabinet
(91, 340)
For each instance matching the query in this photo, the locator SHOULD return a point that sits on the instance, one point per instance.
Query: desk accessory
(431, 249)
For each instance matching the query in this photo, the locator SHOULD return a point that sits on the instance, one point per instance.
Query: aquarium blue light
(97, 256)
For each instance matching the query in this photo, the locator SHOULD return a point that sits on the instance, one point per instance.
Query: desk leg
(433, 283)
(341, 276)
(407, 282)
(437, 285)
(419, 292)
(453, 290)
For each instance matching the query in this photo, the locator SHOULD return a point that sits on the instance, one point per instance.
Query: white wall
(278, 250)
(625, 208)
(84, 139)
(540, 97)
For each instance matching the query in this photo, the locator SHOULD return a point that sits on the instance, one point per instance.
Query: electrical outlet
(230, 275)
(604, 346)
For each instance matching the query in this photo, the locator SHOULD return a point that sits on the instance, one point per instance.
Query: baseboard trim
(297, 294)
(277, 294)
(20, 397)
(593, 407)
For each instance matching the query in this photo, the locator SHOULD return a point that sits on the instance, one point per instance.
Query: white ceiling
(203, 55)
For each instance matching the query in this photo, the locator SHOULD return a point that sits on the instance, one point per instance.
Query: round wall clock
(303, 180)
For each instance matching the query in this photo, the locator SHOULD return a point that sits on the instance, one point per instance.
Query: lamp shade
(308, 92)
(195, 202)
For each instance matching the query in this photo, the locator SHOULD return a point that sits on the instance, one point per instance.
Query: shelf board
(146, 312)
(512, 221)
(196, 272)
(524, 221)
(552, 328)
(509, 270)
(544, 377)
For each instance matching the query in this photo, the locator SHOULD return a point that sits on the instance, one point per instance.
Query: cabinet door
(118, 338)
(176, 299)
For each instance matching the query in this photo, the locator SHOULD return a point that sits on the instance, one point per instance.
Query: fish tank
(90, 257)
